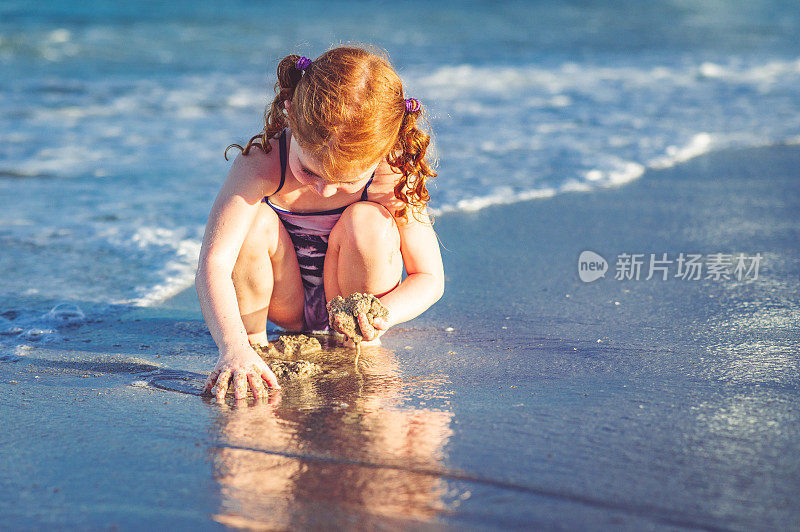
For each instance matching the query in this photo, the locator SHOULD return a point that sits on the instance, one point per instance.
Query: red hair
(348, 112)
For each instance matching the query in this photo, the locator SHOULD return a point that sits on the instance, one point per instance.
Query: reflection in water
(341, 449)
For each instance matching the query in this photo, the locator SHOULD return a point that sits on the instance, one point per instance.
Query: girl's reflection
(340, 449)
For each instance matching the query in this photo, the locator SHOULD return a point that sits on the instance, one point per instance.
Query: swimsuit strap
(364, 194)
(283, 155)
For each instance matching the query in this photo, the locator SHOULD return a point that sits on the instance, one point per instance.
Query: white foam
(502, 197)
(768, 72)
(65, 314)
(176, 274)
(631, 172)
(60, 35)
(455, 81)
(699, 144)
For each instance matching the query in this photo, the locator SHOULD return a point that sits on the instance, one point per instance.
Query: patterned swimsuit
(309, 232)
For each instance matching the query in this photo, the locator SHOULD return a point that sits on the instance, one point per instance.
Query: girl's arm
(234, 211)
(424, 284)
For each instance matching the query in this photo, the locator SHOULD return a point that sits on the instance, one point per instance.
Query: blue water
(114, 116)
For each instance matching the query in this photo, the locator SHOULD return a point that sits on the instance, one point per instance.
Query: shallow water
(363, 443)
(525, 398)
(115, 118)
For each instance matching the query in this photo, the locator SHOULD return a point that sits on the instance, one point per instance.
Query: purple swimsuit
(309, 232)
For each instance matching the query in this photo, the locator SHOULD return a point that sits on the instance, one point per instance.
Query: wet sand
(551, 402)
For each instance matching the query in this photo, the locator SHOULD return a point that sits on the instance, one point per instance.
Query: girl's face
(308, 172)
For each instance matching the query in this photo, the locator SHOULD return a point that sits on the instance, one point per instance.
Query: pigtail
(274, 119)
(409, 158)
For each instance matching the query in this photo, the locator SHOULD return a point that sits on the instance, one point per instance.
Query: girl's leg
(267, 278)
(363, 252)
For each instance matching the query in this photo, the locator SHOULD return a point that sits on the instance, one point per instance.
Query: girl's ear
(287, 105)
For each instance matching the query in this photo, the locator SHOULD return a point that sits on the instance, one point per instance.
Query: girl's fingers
(380, 323)
(221, 388)
(257, 385)
(239, 385)
(338, 326)
(270, 377)
(274, 398)
(210, 382)
(367, 330)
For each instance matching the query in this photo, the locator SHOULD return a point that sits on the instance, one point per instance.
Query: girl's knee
(365, 224)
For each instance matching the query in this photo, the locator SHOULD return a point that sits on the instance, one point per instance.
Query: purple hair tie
(412, 105)
(303, 63)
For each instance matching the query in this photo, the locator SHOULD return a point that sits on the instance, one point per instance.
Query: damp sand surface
(528, 399)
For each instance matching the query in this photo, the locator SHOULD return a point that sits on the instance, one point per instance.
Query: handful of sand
(343, 314)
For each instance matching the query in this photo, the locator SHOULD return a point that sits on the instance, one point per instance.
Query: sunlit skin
(239, 289)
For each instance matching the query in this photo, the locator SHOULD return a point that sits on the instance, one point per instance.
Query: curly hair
(348, 112)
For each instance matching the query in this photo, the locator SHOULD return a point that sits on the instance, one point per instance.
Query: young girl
(328, 200)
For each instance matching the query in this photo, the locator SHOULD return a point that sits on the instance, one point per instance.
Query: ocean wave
(177, 256)
(458, 81)
(137, 160)
(700, 144)
(580, 127)
(176, 275)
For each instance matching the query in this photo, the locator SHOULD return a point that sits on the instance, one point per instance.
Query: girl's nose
(325, 190)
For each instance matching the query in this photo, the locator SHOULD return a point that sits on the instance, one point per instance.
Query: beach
(524, 398)
(618, 207)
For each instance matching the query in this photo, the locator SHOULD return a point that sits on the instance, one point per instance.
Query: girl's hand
(243, 366)
(372, 329)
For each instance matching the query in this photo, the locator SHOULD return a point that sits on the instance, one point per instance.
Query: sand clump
(297, 344)
(276, 356)
(344, 313)
(294, 369)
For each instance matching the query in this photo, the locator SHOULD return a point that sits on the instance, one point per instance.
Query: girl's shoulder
(381, 190)
(260, 168)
